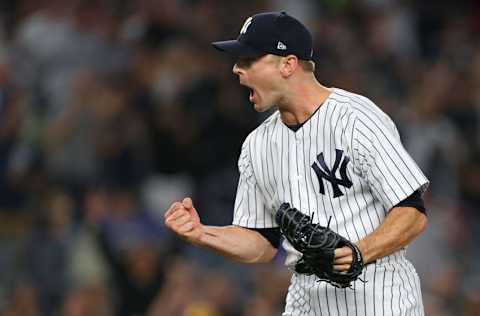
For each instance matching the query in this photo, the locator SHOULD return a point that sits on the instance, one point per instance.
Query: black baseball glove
(317, 244)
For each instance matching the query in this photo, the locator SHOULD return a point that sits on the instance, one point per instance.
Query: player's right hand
(183, 219)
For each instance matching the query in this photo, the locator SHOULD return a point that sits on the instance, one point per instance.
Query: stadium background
(109, 110)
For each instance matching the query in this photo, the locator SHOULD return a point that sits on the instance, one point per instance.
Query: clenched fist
(183, 219)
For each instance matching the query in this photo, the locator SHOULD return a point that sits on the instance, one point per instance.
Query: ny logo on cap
(245, 26)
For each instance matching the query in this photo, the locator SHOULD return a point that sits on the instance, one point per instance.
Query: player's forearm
(399, 228)
(237, 243)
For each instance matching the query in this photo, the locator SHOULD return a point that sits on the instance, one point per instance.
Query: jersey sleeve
(250, 206)
(383, 162)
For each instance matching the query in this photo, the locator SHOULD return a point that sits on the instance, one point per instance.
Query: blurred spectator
(179, 290)
(87, 301)
(130, 245)
(431, 137)
(269, 291)
(23, 302)
(62, 42)
(12, 114)
(192, 290)
(46, 254)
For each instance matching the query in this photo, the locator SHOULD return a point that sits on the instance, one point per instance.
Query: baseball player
(330, 153)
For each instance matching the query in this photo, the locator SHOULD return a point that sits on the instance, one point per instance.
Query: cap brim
(237, 49)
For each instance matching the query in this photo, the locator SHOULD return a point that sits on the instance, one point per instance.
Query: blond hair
(306, 65)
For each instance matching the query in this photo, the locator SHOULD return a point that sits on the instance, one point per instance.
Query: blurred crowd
(112, 109)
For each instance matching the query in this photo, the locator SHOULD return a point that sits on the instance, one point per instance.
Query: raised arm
(234, 242)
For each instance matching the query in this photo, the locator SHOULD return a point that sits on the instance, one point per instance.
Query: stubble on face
(263, 75)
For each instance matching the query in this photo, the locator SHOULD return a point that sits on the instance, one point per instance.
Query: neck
(301, 100)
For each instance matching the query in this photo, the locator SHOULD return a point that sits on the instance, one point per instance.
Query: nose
(236, 70)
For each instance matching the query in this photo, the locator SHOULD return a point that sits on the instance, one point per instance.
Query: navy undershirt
(296, 127)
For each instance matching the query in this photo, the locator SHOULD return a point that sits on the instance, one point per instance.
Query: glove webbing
(300, 231)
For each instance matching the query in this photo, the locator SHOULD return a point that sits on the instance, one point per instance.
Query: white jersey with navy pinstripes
(345, 162)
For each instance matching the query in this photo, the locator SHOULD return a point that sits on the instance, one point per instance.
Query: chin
(261, 108)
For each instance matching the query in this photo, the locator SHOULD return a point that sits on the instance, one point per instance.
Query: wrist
(199, 236)
(363, 247)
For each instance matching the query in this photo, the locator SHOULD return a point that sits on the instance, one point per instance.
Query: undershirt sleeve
(415, 200)
(273, 235)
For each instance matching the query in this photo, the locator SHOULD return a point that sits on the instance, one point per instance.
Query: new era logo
(281, 46)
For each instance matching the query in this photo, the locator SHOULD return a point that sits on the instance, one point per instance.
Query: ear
(288, 65)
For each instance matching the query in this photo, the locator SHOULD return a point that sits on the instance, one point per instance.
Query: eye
(247, 62)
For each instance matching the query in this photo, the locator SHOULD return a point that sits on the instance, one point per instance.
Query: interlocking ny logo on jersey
(323, 172)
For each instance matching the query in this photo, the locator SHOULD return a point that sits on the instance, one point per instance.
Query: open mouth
(253, 95)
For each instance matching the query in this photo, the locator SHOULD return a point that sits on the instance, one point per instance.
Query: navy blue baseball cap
(274, 33)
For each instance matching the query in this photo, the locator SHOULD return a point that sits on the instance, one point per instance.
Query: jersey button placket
(300, 169)
(293, 172)
(299, 161)
(298, 145)
(298, 137)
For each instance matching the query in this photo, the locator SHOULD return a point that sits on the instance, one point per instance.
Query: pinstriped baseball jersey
(345, 162)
